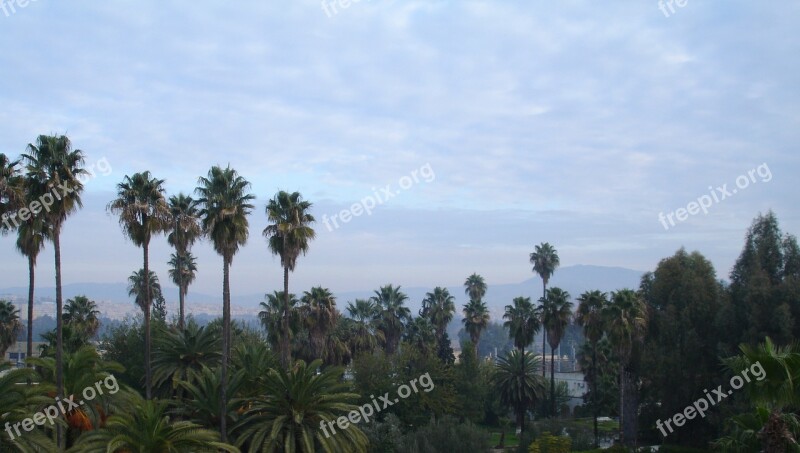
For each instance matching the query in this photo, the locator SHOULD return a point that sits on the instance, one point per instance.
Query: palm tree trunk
(544, 332)
(148, 373)
(594, 393)
(553, 382)
(621, 404)
(181, 294)
(226, 347)
(59, 330)
(31, 278)
(521, 420)
(286, 355)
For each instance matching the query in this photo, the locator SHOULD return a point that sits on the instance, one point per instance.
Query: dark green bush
(446, 434)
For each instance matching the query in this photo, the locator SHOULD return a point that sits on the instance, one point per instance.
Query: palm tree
(148, 427)
(185, 229)
(392, 314)
(182, 271)
(517, 380)
(179, 351)
(202, 404)
(10, 326)
(298, 411)
(82, 313)
(143, 212)
(11, 191)
(421, 334)
(475, 287)
(522, 321)
(17, 402)
(55, 168)
(225, 206)
(476, 318)
(320, 316)
(272, 313)
(545, 261)
(625, 320)
(365, 335)
(289, 234)
(590, 317)
(255, 360)
(439, 307)
(138, 290)
(556, 313)
(31, 237)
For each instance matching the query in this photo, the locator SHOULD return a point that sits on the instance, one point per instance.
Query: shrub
(446, 434)
(547, 443)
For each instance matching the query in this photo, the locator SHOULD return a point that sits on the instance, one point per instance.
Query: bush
(547, 443)
(446, 434)
(383, 436)
(678, 449)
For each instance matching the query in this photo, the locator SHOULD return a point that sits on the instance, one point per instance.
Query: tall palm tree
(438, 306)
(556, 313)
(271, 316)
(31, 237)
(54, 171)
(297, 408)
(182, 271)
(143, 212)
(289, 234)
(82, 313)
(147, 426)
(625, 319)
(476, 318)
(475, 287)
(392, 314)
(10, 326)
(320, 316)
(590, 316)
(11, 191)
(522, 321)
(225, 205)
(545, 261)
(138, 290)
(516, 378)
(185, 230)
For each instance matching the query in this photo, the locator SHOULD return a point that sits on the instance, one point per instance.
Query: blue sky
(570, 122)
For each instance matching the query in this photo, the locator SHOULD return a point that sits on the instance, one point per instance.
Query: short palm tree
(516, 379)
(182, 271)
(296, 408)
(438, 306)
(17, 402)
(289, 234)
(392, 314)
(147, 427)
(522, 321)
(476, 318)
(143, 212)
(590, 316)
(225, 205)
(365, 337)
(421, 334)
(271, 316)
(184, 231)
(54, 167)
(255, 360)
(202, 404)
(625, 319)
(179, 351)
(138, 290)
(10, 327)
(82, 313)
(320, 316)
(545, 260)
(557, 314)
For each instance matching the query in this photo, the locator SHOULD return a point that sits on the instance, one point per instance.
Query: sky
(599, 127)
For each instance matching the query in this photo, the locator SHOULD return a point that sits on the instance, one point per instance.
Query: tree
(320, 316)
(590, 316)
(625, 318)
(10, 327)
(143, 212)
(54, 167)
(179, 351)
(557, 314)
(545, 261)
(82, 313)
(182, 271)
(12, 191)
(392, 314)
(185, 230)
(476, 318)
(365, 336)
(297, 411)
(138, 290)
(289, 234)
(517, 380)
(522, 321)
(225, 206)
(438, 306)
(272, 314)
(475, 287)
(17, 402)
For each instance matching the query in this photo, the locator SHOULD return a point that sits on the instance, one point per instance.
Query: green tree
(556, 314)
(438, 306)
(545, 260)
(10, 327)
(225, 205)
(143, 212)
(12, 192)
(365, 336)
(184, 231)
(297, 409)
(178, 351)
(517, 380)
(590, 316)
(17, 402)
(289, 234)
(53, 166)
(81, 312)
(522, 321)
(392, 314)
(320, 316)
(272, 313)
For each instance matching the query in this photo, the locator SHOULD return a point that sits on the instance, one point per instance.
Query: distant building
(16, 353)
